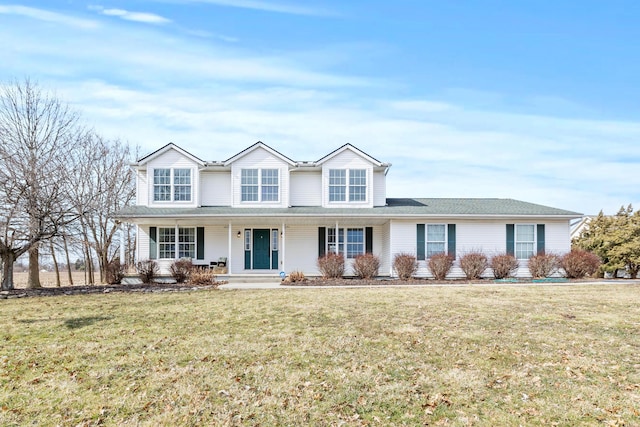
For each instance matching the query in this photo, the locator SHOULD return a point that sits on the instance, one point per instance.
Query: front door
(261, 249)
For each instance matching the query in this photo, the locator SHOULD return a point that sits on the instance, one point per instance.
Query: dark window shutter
(511, 244)
(420, 247)
(368, 240)
(153, 246)
(540, 239)
(451, 243)
(200, 243)
(322, 239)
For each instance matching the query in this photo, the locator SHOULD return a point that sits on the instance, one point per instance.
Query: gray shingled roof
(394, 208)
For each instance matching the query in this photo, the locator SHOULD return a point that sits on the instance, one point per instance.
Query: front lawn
(480, 355)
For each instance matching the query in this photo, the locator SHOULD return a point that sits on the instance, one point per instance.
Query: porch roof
(395, 208)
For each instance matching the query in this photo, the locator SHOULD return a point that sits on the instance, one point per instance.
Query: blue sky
(532, 100)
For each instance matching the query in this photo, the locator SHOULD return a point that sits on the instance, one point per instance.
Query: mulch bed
(101, 289)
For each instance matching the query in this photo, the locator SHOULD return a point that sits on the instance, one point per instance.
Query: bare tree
(38, 133)
(105, 185)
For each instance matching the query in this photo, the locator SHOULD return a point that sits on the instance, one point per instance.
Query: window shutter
(368, 240)
(511, 244)
(420, 247)
(153, 246)
(200, 243)
(451, 242)
(322, 239)
(540, 236)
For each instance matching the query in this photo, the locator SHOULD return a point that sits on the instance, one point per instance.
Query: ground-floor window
(353, 238)
(186, 242)
(525, 240)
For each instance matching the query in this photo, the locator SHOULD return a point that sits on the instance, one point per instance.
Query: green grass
(480, 355)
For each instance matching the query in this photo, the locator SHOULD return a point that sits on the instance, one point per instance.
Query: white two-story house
(266, 213)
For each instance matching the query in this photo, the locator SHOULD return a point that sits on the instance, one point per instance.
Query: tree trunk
(88, 266)
(8, 259)
(55, 263)
(34, 268)
(66, 253)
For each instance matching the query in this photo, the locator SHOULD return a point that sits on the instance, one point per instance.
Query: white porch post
(390, 248)
(122, 243)
(229, 250)
(282, 247)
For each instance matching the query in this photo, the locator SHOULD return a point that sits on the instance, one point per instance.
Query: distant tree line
(615, 239)
(60, 182)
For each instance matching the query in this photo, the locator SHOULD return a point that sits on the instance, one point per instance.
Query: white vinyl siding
(306, 188)
(216, 188)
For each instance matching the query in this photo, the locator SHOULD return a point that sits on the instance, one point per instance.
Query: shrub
(405, 265)
(148, 270)
(295, 276)
(543, 265)
(181, 269)
(474, 264)
(504, 265)
(440, 265)
(202, 277)
(114, 273)
(578, 264)
(366, 266)
(331, 265)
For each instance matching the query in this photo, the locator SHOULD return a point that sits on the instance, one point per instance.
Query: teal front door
(261, 249)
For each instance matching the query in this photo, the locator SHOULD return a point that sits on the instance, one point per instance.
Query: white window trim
(426, 239)
(279, 175)
(347, 192)
(172, 186)
(342, 246)
(176, 242)
(516, 241)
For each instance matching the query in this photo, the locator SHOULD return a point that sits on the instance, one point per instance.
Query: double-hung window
(355, 191)
(260, 185)
(185, 242)
(167, 242)
(436, 239)
(353, 239)
(171, 185)
(162, 185)
(525, 240)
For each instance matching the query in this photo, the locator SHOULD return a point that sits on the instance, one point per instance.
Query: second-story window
(171, 185)
(162, 185)
(259, 185)
(182, 185)
(339, 191)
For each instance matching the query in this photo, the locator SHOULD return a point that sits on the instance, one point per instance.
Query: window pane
(337, 185)
(166, 243)
(162, 185)
(186, 242)
(355, 242)
(434, 248)
(357, 185)
(249, 185)
(270, 185)
(435, 232)
(525, 241)
(274, 240)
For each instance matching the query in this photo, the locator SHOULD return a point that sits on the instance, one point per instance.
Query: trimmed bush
(181, 269)
(504, 265)
(202, 277)
(114, 273)
(440, 265)
(543, 265)
(148, 270)
(366, 266)
(578, 264)
(405, 266)
(331, 266)
(474, 264)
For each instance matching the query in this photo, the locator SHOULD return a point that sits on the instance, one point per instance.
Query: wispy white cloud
(266, 6)
(48, 16)
(144, 17)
